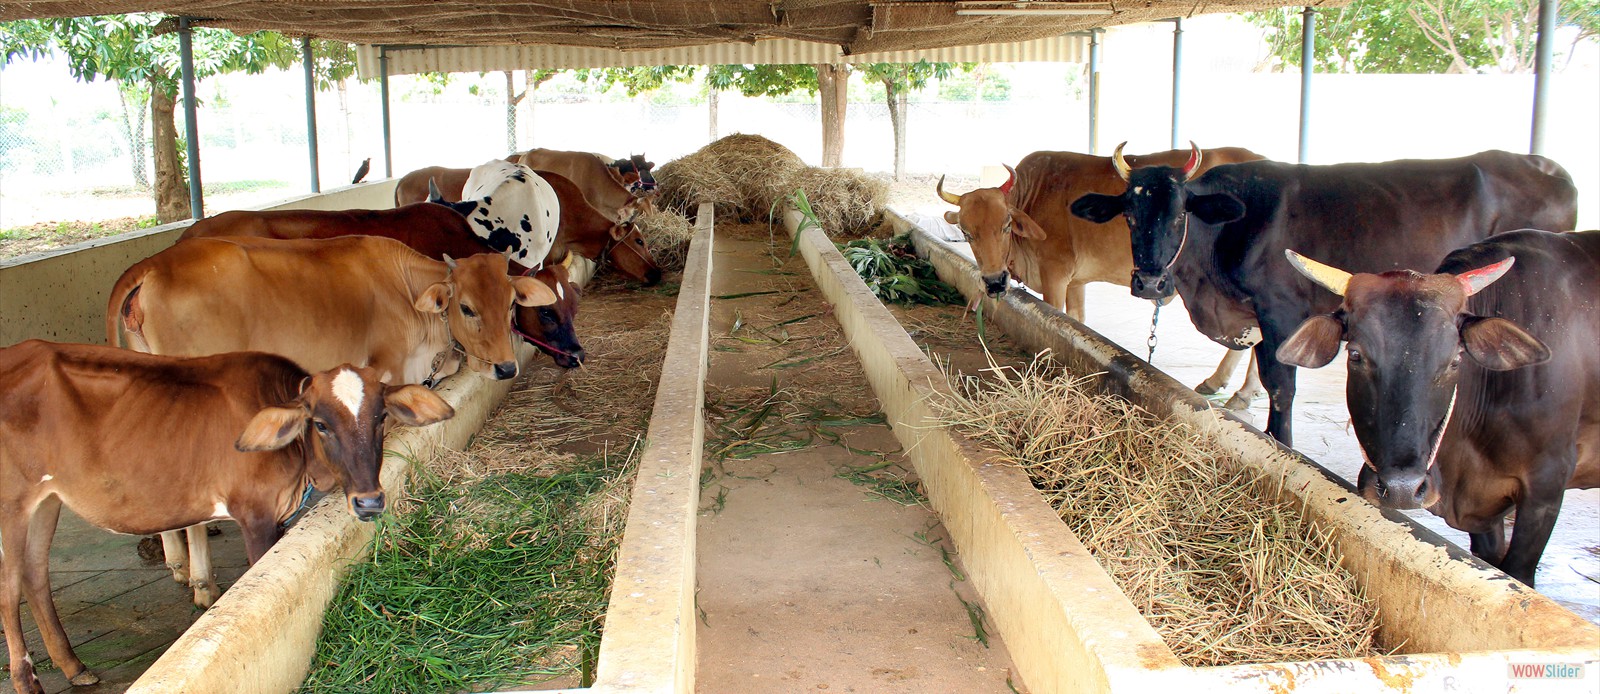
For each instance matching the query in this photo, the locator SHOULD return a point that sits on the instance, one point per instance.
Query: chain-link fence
(64, 146)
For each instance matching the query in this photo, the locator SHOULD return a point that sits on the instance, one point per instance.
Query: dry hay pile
(667, 234)
(746, 175)
(1223, 575)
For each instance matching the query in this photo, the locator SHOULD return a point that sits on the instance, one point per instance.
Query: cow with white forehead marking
(511, 208)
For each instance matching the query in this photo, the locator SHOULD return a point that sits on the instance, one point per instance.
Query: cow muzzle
(1152, 285)
(1400, 489)
(367, 507)
(505, 370)
(570, 359)
(652, 277)
(995, 284)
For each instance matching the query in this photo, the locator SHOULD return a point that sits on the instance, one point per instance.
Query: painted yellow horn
(951, 198)
(1331, 278)
(1121, 164)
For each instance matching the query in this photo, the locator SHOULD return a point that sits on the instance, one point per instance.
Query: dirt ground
(809, 580)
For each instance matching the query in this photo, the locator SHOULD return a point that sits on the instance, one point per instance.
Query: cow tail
(125, 312)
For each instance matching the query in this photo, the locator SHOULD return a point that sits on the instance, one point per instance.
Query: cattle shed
(1069, 627)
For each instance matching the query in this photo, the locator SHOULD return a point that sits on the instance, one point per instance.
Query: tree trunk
(712, 102)
(133, 120)
(171, 189)
(834, 81)
(897, 117)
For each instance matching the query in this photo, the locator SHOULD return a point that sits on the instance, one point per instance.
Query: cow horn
(1121, 164)
(1010, 180)
(449, 261)
(951, 198)
(1331, 278)
(1473, 281)
(1193, 164)
(433, 191)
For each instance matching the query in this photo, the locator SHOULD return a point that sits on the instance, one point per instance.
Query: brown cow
(366, 300)
(137, 443)
(433, 230)
(582, 228)
(602, 185)
(1023, 228)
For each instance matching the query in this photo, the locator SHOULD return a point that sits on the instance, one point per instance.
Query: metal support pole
(1094, 91)
(311, 110)
(383, 80)
(191, 130)
(1308, 63)
(1177, 73)
(1541, 73)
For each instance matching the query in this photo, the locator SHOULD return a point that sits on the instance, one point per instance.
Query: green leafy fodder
(500, 581)
(894, 273)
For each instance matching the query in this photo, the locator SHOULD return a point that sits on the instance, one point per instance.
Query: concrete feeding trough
(1463, 624)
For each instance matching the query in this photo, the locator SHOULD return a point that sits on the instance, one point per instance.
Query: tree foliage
(763, 80)
(1423, 36)
(140, 54)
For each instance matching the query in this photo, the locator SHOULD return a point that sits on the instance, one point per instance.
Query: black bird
(361, 172)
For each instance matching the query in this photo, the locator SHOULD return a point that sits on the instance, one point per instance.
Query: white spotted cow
(511, 208)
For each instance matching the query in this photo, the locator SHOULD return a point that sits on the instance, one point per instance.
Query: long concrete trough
(1462, 623)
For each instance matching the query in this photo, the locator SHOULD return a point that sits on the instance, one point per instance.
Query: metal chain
(1151, 341)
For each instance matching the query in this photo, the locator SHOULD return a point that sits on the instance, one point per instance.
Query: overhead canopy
(854, 26)
(409, 60)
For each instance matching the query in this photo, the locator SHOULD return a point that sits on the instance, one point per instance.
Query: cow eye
(639, 241)
(547, 315)
(468, 312)
(1353, 354)
(320, 427)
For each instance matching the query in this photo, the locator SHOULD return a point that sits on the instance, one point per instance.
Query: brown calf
(137, 443)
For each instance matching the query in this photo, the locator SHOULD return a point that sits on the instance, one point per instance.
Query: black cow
(1514, 424)
(1218, 240)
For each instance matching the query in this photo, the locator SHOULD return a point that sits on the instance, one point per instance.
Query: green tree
(831, 80)
(1424, 36)
(139, 54)
(531, 79)
(900, 79)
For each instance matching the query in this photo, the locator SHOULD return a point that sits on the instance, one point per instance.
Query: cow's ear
(618, 231)
(272, 428)
(434, 299)
(952, 217)
(415, 406)
(1097, 207)
(465, 207)
(1314, 344)
(1500, 345)
(1216, 208)
(1024, 226)
(531, 292)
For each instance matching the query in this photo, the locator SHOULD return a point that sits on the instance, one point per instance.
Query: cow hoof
(206, 594)
(84, 679)
(1205, 388)
(1237, 403)
(180, 573)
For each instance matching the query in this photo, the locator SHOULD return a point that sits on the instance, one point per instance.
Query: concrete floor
(1570, 569)
(121, 612)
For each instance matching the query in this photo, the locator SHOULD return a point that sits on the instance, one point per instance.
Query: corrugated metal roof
(417, 59)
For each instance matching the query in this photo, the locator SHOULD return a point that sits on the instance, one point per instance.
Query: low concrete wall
(1070, 629)
(61, 295)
